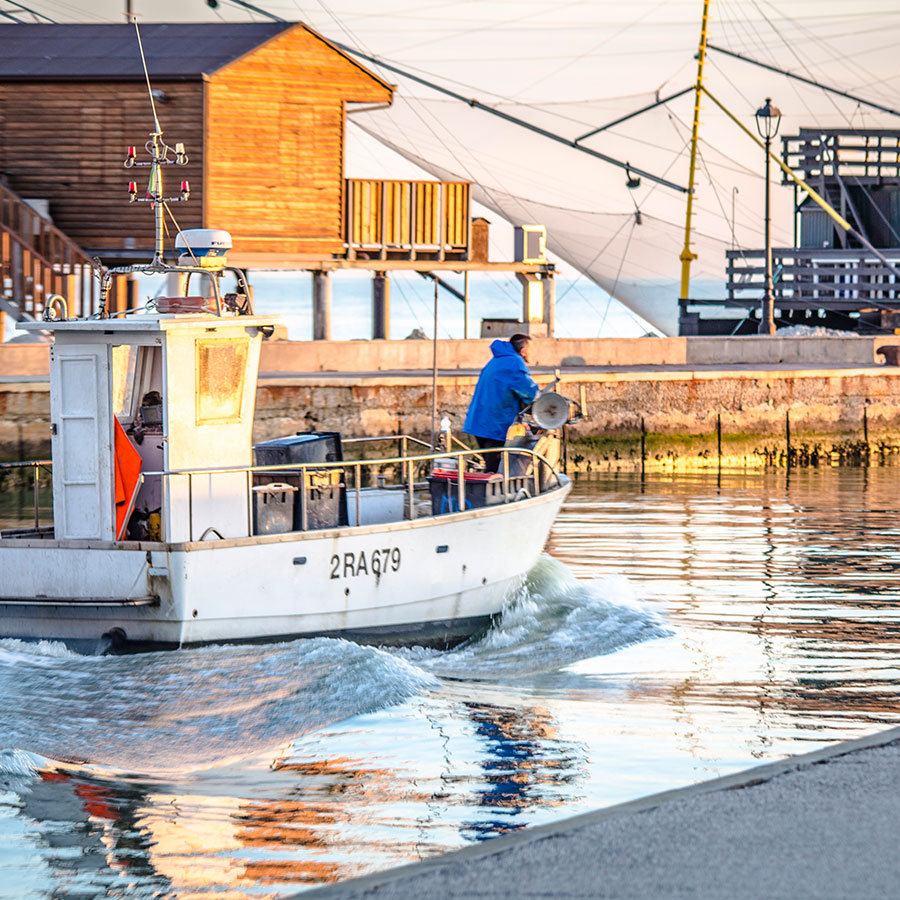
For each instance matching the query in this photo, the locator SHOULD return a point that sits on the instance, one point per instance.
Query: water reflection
(307, 819)
(783, 591)
(87, 836)
(524, 766)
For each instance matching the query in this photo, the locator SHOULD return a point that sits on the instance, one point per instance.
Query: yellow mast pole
(784, 167)
(687, 255)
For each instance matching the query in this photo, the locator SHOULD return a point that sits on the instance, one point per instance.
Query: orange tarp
(128, 474)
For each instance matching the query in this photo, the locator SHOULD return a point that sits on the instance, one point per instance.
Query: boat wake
(165, 712)
(188, 710)
(553, 621)
(19, 764)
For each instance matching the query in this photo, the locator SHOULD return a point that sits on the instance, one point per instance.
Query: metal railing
(403, 442)
(35, 465)
(865, 155)
(408, 466)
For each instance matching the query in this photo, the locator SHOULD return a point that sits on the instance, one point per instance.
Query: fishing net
(628, 239)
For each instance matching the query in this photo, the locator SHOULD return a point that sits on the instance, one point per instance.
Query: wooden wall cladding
(66, 142)
(276, 148)
(265, 137)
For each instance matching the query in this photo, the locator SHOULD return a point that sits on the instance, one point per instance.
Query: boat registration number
(375, 562)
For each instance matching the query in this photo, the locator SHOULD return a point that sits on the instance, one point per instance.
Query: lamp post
(734, 193)
(768, 118)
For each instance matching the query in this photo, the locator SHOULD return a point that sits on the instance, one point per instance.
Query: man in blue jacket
(504, 388)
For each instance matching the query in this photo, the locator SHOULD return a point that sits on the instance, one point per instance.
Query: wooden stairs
(38, 260)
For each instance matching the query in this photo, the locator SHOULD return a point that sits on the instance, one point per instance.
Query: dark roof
(29, 52)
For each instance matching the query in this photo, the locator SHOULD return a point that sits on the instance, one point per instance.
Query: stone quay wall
(752, 401)
(828, 386)
(24, 421)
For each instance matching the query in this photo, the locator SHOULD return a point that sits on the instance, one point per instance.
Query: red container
(481, 488)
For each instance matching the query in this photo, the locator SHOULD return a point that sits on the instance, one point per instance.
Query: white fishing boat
(166, 534)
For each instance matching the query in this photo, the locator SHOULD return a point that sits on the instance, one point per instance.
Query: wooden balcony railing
(815, 278)
(408, 219)
(869, 156)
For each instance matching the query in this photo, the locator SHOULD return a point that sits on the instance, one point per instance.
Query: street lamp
(768, 118)
(734, 193)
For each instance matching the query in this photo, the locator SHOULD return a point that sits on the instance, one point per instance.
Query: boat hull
(431, 581)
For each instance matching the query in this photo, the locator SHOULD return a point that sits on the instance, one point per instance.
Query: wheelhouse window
(124, 367)
(221, 364)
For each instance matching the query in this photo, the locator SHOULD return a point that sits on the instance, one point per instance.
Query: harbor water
(679, 628)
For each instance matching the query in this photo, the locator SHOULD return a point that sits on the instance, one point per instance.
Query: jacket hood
(503, 348)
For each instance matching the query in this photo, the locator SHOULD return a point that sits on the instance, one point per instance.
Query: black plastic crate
(303, 447)
(325, 497)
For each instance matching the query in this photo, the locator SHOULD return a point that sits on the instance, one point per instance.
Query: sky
(570, 66)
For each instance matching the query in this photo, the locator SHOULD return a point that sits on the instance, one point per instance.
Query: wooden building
(828, 279)
(260, 108)
(262, 112)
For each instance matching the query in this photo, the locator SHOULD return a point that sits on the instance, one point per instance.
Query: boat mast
(687, 255)
(157, 153)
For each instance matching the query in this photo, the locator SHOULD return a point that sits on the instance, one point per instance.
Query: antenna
(137, 31)
(159, 157)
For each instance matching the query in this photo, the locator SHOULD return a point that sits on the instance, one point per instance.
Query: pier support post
(548, 285)
(321, 288)
(175, 284)
(381, 306)
(465, 306)
(532, 297)
(538, 302)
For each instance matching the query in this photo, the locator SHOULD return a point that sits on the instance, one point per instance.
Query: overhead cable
(477, 104)
(213, 4)
(837, 174)
(659, 102)
(27, 9)
(810, 192)
(810, 81)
